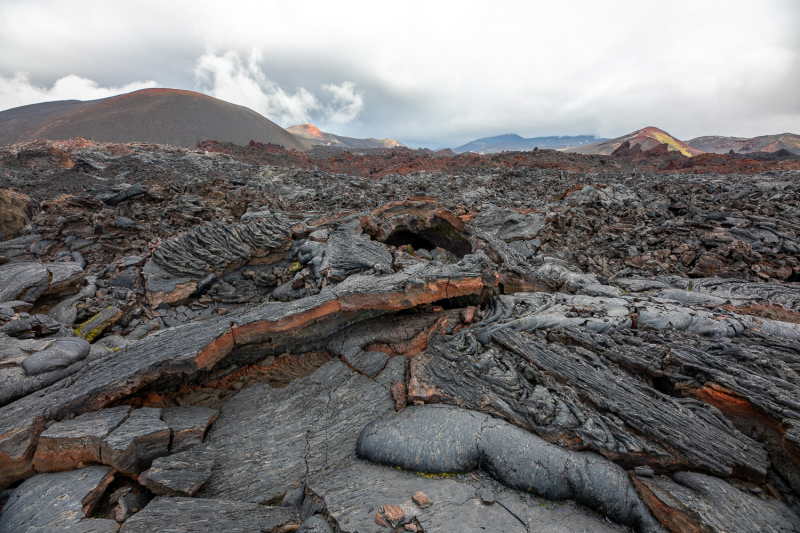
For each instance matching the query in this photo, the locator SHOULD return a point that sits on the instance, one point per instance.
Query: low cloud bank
(18, 90)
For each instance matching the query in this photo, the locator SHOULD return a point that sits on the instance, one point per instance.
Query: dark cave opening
(442, 236)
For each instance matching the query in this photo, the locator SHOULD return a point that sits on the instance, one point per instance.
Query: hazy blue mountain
(513, 142)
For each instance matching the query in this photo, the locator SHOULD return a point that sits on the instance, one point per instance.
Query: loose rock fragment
(180, 474)
(95, 326)
(132, 446)
(394, 514)
(421, 499)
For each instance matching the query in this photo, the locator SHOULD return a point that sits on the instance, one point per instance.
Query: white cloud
(347, 103)
(18, 90)
(229, 78)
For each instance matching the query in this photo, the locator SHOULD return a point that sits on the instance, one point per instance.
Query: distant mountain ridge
(645, 138)
(161, 116)
(312, 135)
(511, 142)
(718, 144)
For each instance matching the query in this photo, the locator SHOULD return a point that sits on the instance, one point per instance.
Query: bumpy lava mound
(236, 339)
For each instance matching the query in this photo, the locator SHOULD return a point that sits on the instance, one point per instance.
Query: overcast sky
(427, 73)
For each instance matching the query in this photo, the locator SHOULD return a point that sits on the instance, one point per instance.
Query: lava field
(245, 338)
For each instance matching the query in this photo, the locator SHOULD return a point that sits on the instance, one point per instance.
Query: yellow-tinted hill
(646, 138)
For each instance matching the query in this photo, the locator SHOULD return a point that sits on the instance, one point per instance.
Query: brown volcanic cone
(163, 116)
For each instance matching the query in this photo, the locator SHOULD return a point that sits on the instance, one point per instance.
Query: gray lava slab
(713, 505)
(315, 524)
(54, 500)
(66, 311)
(440, 439)
(268, 440)
(394, 372)
(355, 494)
(194, 515)
(62, 275)
(369, 363)
(188, 424)
(17, 306)
(180, 474)
(132, 447)
(22, 281)
(697, 430)
(66, 444)
(28, 281)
